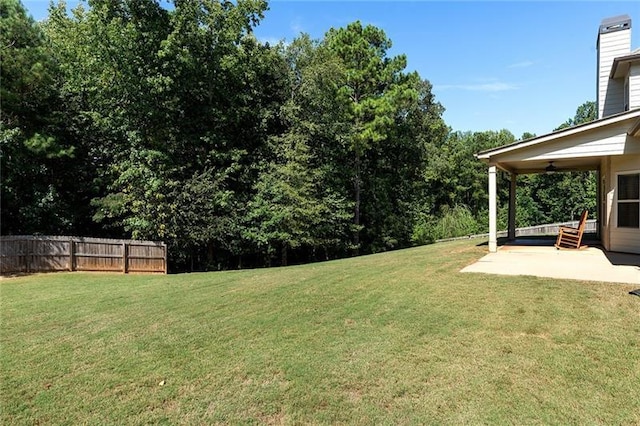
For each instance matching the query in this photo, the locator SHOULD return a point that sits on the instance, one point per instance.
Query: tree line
(131, 120)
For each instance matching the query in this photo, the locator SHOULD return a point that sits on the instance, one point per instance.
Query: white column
(493, 210)
(599, 203)
(512, 207)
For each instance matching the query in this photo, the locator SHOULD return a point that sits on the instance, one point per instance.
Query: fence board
(25, 253)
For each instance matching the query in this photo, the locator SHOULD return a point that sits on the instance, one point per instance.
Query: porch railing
(591, 227)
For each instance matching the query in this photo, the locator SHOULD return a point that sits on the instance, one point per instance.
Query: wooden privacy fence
(20, 253)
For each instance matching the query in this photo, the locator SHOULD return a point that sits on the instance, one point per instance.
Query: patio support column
(598, 212)
(493, 210)
(512, 207)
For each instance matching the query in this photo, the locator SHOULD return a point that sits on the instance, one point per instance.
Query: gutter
(635, 130)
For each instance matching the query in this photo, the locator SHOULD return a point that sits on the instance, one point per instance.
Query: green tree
(394, 186)
(455, 176)
(286, 209)
(174, 107)
(374, 86)
(457, 183)
(585, 113)
(35, 155)
(142, 121)
(109, 87)
(299, 202)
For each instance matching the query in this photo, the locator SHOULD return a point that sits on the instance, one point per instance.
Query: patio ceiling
(561, 164)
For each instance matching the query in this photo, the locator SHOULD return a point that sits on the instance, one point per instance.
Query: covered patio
(538, 257)
(609, 146)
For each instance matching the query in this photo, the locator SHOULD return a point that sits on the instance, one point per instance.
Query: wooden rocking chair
(572, 237)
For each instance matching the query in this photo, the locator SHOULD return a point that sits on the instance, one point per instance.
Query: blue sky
(521, 66)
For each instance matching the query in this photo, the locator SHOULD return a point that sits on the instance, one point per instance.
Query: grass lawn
(391, 338)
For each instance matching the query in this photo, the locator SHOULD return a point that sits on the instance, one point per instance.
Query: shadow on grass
(6, 275)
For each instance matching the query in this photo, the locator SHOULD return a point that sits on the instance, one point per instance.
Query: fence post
(71, 261)
(124, 258)
(165, 257)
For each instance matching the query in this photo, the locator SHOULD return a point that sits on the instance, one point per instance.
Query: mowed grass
(394, 338)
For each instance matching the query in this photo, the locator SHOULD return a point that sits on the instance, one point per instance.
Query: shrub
(451, 222)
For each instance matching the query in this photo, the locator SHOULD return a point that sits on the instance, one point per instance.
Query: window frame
(618, 201)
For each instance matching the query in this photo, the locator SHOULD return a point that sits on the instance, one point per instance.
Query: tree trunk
(210, 254)
(284, 255)
(357, 185)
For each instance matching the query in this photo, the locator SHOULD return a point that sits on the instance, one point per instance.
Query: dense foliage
(129, 119)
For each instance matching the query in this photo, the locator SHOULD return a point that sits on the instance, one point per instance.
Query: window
(629, 200)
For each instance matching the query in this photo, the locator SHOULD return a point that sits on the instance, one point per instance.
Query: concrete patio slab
(587, 264)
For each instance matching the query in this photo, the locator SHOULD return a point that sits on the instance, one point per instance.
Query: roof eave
(622, 60)
(635, 130)
(487, 154)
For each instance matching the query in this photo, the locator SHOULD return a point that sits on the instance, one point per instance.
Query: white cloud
(273, 41)
(296, 26)
(481, 87)
(523, 64)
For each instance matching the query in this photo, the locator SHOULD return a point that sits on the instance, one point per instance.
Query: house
(609, 145)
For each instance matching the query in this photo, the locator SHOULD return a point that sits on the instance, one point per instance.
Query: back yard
(399, 337)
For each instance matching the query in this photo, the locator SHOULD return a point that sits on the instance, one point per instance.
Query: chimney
(614, 40)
